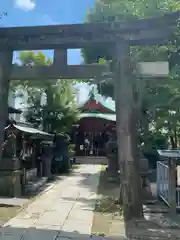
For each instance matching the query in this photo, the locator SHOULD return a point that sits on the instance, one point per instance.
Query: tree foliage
(122, 10)
(51, 103)
(160, 97)
(151, 99)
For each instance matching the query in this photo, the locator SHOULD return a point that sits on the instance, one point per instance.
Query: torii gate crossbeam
(115, 36)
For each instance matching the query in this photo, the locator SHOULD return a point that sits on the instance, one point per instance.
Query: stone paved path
(64, 212)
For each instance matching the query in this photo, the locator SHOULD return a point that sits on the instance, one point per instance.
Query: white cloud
(26, 5)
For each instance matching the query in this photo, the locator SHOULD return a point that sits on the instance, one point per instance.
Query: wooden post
(124, 112)
(60, 58)
(172, 186)
(5, 73)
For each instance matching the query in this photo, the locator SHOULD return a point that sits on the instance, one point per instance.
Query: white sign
(178, 176)
(153, 69)
(146, 69)
(169, 153)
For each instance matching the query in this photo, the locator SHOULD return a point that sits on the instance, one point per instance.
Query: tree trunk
(126, 140)
(145, 127)
(5, 72)
(173, 145)
(175, 137)
(49, 103)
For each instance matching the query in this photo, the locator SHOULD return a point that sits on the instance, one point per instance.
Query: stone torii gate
(116, 37)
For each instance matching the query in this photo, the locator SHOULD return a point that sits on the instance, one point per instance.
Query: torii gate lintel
(121, 35)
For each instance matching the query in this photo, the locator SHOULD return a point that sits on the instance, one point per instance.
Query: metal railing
(163, 190)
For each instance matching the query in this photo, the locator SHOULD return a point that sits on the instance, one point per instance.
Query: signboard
(169, 153)
(178, 175)
(153, 69)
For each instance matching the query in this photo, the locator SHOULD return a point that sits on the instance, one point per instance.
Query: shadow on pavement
(153, 226)
(147, 230)
(43, 233)
(29, 227)
(105, 187)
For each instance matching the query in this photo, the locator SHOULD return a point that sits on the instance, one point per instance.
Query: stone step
(34, 186)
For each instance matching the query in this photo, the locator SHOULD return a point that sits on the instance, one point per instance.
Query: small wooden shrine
(22, 157)
(97, 122)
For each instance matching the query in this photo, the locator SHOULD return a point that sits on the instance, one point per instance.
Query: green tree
(30, 58)
(122, 10)
(59, 109)
(60, 114)
(155, 98)
(155, 94)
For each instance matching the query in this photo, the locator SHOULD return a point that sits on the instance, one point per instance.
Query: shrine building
(96, 124)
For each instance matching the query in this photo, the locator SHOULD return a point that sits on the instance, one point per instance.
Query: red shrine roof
(96, 103)
(98, 107)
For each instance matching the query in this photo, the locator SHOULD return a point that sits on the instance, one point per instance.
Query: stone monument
(10, 173)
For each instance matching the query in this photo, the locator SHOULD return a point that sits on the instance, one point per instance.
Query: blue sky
(47, 12)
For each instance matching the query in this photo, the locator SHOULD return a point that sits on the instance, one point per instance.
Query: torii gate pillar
(5, 73)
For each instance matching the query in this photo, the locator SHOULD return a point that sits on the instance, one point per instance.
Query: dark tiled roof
(14, 110)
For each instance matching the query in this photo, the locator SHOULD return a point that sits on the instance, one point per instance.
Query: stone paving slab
(17, 223)
(14, 202)
(8, 233)
(10, 237)
(79, 226)
(52, 218)
(74, 235)
(50, 227)
(29, 215)
(80, 215)
(39, 234)
(117, 229)
(87, 237)
(65, 211)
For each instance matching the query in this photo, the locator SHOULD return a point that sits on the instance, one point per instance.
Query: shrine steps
(91, 160)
